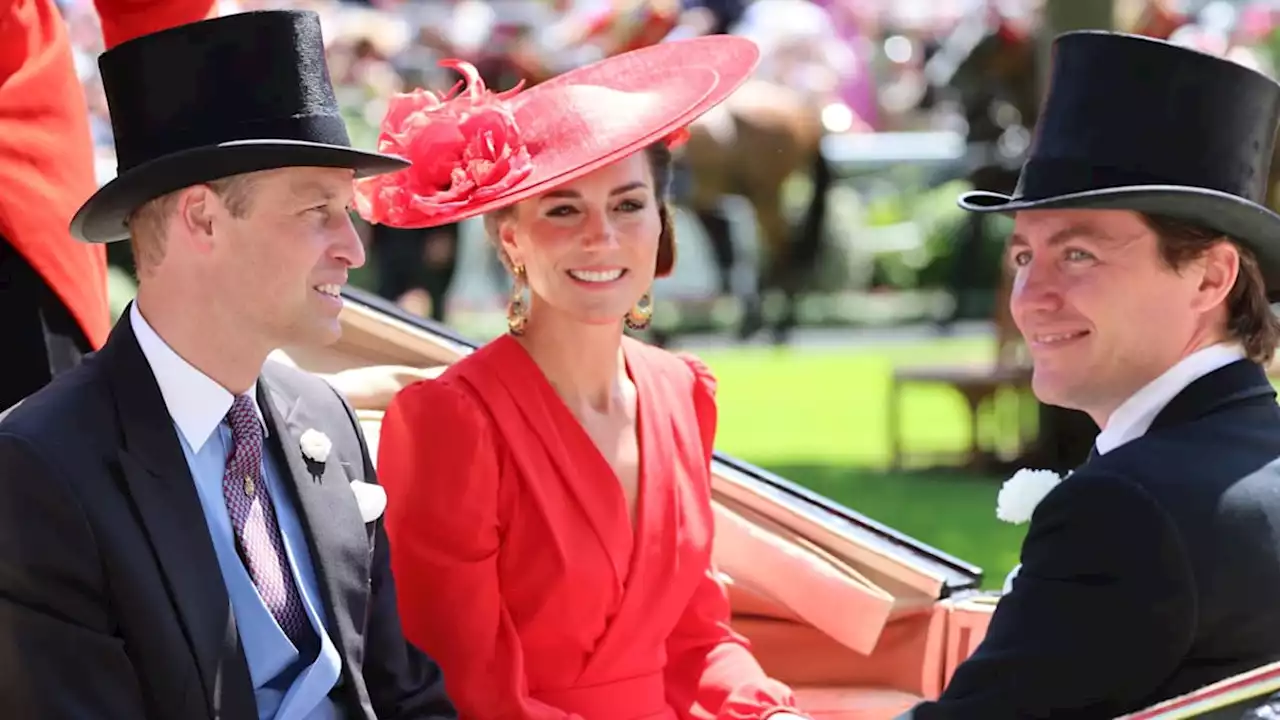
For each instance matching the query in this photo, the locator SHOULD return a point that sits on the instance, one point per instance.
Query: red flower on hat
(677, 138)
(465, 148)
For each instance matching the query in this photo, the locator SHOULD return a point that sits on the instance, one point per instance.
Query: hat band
(1050, 177)
(322, 128)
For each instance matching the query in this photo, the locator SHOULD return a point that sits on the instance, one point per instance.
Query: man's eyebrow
(1067, 234)
(312, 189)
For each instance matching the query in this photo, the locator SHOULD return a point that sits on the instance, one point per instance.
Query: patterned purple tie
(253, 518)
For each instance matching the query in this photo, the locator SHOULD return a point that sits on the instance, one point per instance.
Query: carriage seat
(853, 703)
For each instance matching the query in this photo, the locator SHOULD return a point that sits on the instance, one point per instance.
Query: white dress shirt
(1133, 418)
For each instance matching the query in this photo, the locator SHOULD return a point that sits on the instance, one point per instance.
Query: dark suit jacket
(112, 604)
(1151, 571)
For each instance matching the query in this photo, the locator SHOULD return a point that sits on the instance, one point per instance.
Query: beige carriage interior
(858, 630)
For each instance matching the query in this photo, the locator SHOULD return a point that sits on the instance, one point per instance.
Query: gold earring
(517, 308)
(638, 317)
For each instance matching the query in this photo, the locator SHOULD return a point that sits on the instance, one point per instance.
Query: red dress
(46, 154)
(514, 558)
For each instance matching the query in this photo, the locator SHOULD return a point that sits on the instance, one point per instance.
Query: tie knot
(243, 419)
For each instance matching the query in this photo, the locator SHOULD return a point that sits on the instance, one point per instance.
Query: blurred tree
(1061, 16)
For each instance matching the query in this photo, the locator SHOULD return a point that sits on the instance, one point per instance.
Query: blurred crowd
(378, 46)
(863, 66)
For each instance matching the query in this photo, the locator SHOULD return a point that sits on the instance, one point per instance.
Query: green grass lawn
(818, 417)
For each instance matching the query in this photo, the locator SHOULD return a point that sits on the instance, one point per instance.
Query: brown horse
(750, 146)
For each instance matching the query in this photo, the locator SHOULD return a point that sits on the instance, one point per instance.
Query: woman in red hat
(549, 495)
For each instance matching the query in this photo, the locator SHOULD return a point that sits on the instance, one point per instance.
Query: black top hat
(216, 98)
(1132, 123)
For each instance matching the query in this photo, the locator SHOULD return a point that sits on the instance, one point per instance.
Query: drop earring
(638, 317)
(517, 307)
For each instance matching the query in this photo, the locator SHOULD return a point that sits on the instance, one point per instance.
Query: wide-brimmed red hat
(474, 151)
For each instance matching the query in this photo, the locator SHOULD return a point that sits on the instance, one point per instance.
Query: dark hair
(659, 156)
(1249, 316)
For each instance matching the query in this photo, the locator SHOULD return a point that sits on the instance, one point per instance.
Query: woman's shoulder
(437, 455)
(471, 393)
(445, 400)
(454, 387)
(684, 368)
(703, 377)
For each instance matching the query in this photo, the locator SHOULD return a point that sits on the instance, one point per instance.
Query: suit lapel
(1242, 381)
(164, 496)
(336, 536)
(1239, 382)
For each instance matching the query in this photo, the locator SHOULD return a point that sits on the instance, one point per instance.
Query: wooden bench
(980, 384)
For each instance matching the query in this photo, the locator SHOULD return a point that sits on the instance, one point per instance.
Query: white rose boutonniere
(315, 445)
(1021, 493)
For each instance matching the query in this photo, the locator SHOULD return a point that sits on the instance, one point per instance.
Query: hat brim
(103, 217)
(704, 70)
(1254, 226)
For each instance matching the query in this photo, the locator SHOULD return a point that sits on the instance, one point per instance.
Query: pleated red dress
(516, 562)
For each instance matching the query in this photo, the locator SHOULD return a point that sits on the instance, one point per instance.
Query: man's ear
(195, 210)
(1219, 269)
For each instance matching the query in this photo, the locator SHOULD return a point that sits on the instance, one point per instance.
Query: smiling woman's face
(588, 248)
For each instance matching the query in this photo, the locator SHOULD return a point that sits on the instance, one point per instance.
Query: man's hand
(371, 388)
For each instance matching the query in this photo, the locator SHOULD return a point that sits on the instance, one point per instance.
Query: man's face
(284, 261)
(1102, 313)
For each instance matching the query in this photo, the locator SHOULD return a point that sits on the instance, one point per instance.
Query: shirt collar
(196, 402)
(1133, 418)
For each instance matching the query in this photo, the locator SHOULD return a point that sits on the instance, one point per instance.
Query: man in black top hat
(187, 530)
(1144, 263)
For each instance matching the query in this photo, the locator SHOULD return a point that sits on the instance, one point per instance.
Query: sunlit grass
(819, 417)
